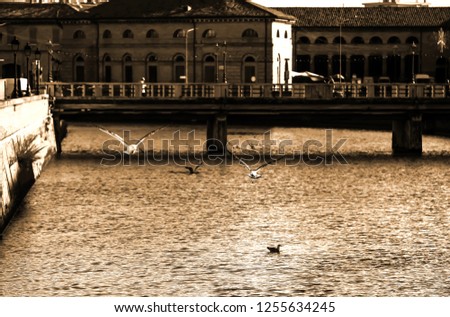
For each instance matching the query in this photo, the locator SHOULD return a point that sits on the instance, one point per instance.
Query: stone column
(407, 135)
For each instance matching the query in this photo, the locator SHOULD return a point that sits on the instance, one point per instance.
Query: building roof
(370, 16)
(116, 9)
(20, 11)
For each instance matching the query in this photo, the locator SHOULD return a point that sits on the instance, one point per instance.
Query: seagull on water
(274, 249)
(254, 172)
(193, 170)
(130, 149)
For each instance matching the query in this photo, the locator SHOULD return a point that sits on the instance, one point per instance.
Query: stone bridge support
(216, 133)
(407, 135)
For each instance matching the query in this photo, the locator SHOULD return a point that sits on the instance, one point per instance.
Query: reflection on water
(377, 226)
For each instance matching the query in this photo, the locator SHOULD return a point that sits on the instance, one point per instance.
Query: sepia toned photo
(225, 148)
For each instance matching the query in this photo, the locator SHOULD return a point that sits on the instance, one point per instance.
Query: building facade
(125, 41)
(368, 43)
(231, 41)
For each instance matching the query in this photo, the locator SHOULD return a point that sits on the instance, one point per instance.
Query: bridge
(408, 107)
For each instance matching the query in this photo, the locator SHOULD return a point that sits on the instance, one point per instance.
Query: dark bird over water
(274, 250)
(193, 170)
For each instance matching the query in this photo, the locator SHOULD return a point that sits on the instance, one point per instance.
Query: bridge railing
(94, 90)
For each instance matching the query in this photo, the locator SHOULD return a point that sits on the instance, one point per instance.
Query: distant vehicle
(424, 79)
(384, 80)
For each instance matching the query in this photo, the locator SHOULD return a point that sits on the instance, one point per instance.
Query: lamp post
(50, 56)
(37, 58)
(413, 48)
(15, 47)
(186, 78)
(224, 62)
(396, 74)
(286, 74)
(27, 52)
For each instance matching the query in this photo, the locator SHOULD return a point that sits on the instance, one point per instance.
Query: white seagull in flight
(254, 172)
(130, 149)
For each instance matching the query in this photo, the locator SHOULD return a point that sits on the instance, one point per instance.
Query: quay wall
(27, 143)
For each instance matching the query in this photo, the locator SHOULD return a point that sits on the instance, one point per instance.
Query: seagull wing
(241, 161)
(147, 135)
(114, 135)
(190, 169)
(269, 162)
(197, 166)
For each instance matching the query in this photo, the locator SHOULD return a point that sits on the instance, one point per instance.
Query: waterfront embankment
(27, 143)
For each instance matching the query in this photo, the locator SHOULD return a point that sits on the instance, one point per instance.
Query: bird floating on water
(274, 249)
(254, 172)
(193, 170)
(130, 149)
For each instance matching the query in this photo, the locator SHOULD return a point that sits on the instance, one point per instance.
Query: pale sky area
(339, 3)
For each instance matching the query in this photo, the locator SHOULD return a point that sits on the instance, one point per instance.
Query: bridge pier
(216, 133)
(60, 127)
(407, 135)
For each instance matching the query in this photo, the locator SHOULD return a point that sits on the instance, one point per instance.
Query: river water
(368, 225)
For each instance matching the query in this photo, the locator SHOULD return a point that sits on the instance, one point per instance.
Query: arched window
(179, 67)
(249, 69)
(278, 33)
(127, 68)
(152, 68)
(394, 40)
(107, 34)
(152, 34)
(79, 35)
(179, 33)
(249, 33)
(412, 39)
(357, 40)
(79, 68)
(339, 40)
(107, 69)
(441, 70)
(209, 69)
(321, 40)
(285, 34)
(127, 34)
(209, 34)
(304, 40)
(376, 40)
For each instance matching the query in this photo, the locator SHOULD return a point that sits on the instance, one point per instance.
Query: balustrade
(92, 90)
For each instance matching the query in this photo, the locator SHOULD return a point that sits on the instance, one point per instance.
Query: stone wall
(27, 143)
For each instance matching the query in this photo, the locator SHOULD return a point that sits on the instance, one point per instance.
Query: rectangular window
(179, 72)
(152, 74)
(210, 74)
(108, 74)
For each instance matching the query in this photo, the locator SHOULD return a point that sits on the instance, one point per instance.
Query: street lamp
(37, 58)
(413, 48)
(27, 52)
(15, 47)
(286, 73)
(186, 79)
(224, 62)
(50, 56)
